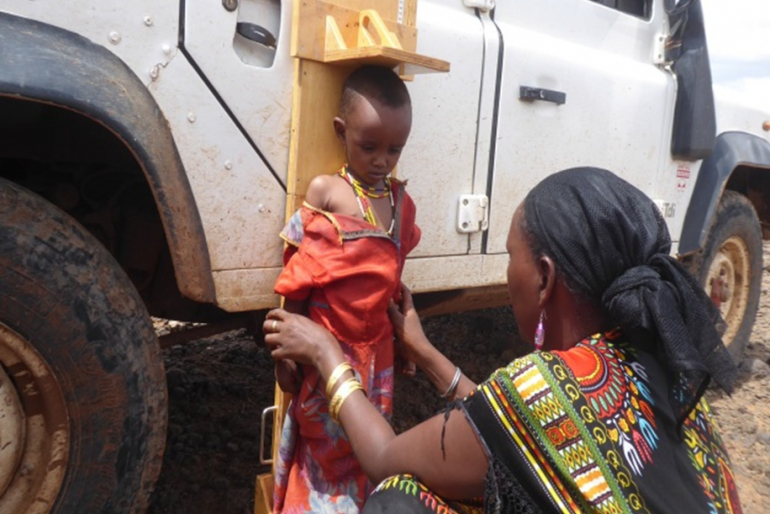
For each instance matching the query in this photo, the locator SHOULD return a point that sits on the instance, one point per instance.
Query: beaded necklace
(364, 191)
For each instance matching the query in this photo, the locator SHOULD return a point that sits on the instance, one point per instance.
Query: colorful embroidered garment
(588, 430)
(591, 429)
(347, 270)
(404, 493)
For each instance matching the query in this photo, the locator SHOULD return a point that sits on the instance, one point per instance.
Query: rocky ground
(744, 417)
(218, 387)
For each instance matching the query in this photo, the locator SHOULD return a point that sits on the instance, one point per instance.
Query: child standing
(346, 251)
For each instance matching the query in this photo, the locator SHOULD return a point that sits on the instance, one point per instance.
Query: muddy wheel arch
(46, 64)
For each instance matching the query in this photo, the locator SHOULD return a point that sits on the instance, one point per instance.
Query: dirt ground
(219, 386)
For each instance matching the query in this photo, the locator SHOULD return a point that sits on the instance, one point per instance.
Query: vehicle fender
(47, 64)
(732, 149)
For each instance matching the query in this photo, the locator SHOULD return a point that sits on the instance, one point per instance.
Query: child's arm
(288, 374)
(318, 192)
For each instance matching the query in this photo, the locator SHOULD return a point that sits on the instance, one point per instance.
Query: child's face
(373, 136)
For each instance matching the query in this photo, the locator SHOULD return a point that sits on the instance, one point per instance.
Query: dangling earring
(540, 331)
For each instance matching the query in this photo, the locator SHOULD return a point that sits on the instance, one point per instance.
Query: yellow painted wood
(325, 41)
(359, 32)
(263, 494)
(313, 148)
(386, 56)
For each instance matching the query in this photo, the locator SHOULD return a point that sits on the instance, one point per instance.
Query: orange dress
(348, 271)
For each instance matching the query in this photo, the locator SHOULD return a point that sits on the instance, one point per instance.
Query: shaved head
(375, 83)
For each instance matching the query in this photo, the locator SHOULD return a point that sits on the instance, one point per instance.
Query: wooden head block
(315, 149)
(317, 22)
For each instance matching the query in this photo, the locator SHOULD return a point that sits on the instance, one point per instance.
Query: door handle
(256, 33)
(530, 94)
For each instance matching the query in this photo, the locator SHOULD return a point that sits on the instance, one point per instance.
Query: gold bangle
(336, 374)
(346, 389)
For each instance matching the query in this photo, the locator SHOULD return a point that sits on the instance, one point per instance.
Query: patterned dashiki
(348, 270)
(585, 430)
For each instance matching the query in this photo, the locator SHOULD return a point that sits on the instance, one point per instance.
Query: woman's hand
(410, 338)
(295, 337)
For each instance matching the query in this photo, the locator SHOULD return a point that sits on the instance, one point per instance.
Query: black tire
(733, 253)
(80, 350)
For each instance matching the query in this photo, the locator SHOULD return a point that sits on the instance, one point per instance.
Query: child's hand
(288, 375)
(406, 367)
(411, 342)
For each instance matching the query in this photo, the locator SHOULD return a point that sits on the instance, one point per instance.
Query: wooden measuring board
(364, 33)
(329, 40)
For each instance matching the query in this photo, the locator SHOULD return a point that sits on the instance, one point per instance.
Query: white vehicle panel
(254, 81)
(455, 272)
(486, 119)
(616, 108)
(735, 112)
(246, 290)
(142, 33)
(438, 159)
(240, 202)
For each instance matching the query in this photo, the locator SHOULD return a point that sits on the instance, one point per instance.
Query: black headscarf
(610, 241)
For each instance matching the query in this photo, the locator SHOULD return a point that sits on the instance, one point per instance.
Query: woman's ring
(274, 326)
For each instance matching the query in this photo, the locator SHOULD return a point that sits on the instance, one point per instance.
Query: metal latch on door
(472, 214)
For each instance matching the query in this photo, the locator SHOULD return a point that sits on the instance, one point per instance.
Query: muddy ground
(218, 387)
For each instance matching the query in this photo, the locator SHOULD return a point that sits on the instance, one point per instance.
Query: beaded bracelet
(455, 380)
(336, 374)
(347, 388)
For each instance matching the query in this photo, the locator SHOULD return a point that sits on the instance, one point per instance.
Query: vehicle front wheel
(730, 268)
(82, 388)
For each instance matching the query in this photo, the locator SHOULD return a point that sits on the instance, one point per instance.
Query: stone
(759, 368)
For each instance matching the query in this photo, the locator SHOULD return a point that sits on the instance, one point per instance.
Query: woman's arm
(416, 347)
(456, 473)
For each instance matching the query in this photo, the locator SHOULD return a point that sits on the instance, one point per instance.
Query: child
(346, 250)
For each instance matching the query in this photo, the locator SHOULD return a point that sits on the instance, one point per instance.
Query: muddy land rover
(143, 157)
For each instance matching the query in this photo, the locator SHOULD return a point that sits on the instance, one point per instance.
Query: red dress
(348, 271)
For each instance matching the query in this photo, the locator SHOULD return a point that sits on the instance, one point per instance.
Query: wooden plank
(409, 15)
(386, 56)
(313, 148)
(263, 494)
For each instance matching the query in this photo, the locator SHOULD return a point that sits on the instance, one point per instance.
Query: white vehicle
(143, 166)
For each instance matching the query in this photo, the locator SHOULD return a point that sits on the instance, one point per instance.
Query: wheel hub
(12, 424)
(34, 429)
(728, 283)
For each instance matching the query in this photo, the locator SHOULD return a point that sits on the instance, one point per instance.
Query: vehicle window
(639, 8)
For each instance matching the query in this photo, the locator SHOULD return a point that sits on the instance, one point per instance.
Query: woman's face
(524, 279)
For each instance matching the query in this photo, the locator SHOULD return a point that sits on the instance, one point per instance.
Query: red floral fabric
(348, 270)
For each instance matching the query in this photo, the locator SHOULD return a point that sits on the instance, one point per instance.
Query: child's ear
(339, 129)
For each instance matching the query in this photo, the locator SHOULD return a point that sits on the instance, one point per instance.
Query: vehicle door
(579, 86)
